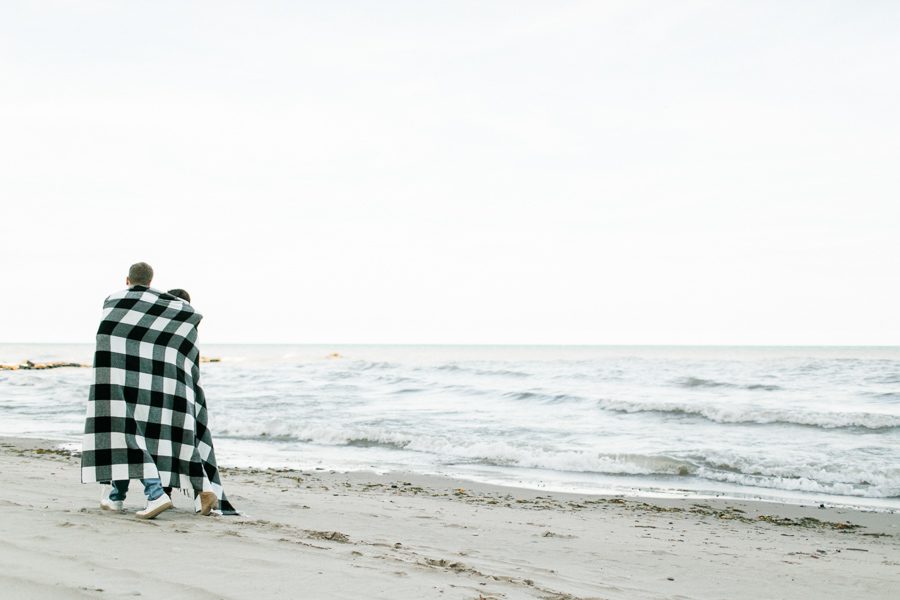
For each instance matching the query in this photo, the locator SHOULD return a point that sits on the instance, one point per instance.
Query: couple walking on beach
(146, 413)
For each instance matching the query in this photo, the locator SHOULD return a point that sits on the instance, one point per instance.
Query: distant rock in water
(39, 366)
(33, 366)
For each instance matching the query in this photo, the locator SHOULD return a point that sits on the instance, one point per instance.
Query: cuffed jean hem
(152, 489)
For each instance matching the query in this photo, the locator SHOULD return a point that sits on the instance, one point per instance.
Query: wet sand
(320, 535)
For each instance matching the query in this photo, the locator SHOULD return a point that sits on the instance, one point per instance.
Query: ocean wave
(281, 430)
(394, 379)
(367, 365)
(825, 471)
(657, 464)
(698, 382)
(365, 442)
(807, 479)
(465, 390)
(763, 386)
(498, 372)
(695, 382)
(736, 414)
(579, 462)
(503, 373)
(542, 397)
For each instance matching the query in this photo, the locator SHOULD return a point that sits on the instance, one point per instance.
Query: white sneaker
(154, 508)
(113, 505)
(106, 503)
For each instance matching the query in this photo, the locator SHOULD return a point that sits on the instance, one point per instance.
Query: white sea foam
(749, 413)
(881, 487)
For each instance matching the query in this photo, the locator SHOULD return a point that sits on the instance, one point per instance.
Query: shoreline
(856, 503)
(359, 534)
(485, 492)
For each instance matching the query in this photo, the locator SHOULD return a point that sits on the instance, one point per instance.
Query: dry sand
(321, 535)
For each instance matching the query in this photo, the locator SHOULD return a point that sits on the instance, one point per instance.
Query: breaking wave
(459, 368)
(542, 397)
(697, 382)
(748, 414)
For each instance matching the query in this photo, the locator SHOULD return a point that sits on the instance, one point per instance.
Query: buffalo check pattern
(146, 412)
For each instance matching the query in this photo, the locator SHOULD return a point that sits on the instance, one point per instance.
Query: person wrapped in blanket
(183, 294)
(140, 422)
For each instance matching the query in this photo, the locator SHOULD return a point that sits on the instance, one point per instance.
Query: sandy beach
(319, 534)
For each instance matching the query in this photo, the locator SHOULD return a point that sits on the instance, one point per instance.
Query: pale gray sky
(456, 172)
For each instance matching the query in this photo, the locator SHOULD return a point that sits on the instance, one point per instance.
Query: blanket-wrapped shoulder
(146, 412)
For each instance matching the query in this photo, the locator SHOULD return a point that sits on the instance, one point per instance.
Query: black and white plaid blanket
(146, 413)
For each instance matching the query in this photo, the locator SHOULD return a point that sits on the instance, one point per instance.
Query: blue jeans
(152, 488)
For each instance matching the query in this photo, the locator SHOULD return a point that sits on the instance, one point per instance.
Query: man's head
(139, 274)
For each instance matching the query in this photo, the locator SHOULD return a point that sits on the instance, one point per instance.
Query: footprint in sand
(562, 536)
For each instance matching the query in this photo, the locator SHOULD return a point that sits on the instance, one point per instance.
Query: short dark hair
(180, 293)
(140, 274)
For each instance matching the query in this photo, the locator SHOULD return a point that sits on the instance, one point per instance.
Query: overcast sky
(456, 172)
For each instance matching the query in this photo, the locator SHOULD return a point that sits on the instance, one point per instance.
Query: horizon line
(509, 344)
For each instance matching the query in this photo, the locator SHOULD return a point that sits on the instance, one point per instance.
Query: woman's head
(180, 293)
